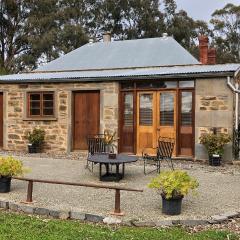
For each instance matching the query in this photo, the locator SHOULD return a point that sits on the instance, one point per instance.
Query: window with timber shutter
(40, 104)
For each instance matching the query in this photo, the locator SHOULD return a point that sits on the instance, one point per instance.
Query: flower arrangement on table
(109, 139)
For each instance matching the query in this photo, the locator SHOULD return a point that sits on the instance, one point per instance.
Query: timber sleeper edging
(75, 215)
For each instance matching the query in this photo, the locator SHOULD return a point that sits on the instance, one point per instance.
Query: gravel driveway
(219, 190)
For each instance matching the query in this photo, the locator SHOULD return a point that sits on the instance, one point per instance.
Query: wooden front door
(156, 117)
(86, 119)
(1, 119)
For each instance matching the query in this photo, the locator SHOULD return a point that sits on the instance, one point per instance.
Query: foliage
(36, 136)
(226, 29)
(10, 167)
(35, 32)
(215, 143)
(173, 184)
(17, 226)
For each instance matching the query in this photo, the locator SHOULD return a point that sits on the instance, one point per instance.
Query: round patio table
(103, 159)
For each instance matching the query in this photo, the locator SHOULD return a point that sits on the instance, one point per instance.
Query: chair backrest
(96, 144)
(165, 147)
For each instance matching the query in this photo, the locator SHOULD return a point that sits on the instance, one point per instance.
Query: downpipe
(237, 91)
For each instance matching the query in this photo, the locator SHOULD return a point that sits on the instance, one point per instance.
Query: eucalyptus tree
(226, 29)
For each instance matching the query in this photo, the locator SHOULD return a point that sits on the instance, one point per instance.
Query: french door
(156, 117)
(186, 123)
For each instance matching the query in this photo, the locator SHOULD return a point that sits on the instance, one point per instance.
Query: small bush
(36, 136)
(10, 167)
(173, 184)
(215, 143)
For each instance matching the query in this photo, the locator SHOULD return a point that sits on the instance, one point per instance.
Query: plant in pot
(9, 167)
(173, 186)
(109, 139)
(214, 143)
(36, 139)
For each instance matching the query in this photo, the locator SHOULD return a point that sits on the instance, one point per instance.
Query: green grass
(18, 227)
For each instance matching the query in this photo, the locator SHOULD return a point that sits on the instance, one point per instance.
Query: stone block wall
(213, 109)
(214, 103)
(59, 129)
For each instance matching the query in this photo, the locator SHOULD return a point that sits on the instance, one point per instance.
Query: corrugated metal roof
(130, 73)
(123, 54)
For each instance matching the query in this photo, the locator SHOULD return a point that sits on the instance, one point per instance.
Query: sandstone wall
(214, 109)
(58, 129)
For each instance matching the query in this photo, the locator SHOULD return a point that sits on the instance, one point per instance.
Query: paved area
(218, 191)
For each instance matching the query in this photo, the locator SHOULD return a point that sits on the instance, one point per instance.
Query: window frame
(41, 116)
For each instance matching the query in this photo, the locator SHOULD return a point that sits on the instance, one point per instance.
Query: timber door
(146, 122)
(1, 119)
(86, 119)
(156, 117)
(127, 122)
(186, 123)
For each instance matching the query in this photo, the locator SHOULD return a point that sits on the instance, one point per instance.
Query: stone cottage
(142, 89)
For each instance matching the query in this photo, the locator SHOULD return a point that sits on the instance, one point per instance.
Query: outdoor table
(103, 159)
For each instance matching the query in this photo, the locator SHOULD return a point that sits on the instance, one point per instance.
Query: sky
(202, 9)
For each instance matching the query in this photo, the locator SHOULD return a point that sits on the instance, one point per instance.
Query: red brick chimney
(203, 49)
(206, 55)
(211, 56)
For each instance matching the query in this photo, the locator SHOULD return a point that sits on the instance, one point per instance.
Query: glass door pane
(146, 109)
(166, 109)
(186, 109)
(128, 110)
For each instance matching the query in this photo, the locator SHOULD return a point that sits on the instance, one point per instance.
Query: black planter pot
(5, 184)
(34, 148)
(172, 206)
(215, 160)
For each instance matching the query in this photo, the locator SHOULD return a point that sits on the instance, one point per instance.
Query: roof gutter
(121, 78)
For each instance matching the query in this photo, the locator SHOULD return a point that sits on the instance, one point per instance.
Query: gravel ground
(218, 191)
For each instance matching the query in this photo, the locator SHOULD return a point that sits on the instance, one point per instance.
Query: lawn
(18, 227)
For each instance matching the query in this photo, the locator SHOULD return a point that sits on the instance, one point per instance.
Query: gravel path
(218, 191)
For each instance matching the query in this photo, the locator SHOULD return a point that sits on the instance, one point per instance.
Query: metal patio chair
(164, 151)
(96, 145)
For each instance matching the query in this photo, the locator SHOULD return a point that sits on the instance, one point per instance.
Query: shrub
(173, 184)
(36, 136)
(214, 143)
(10, 167)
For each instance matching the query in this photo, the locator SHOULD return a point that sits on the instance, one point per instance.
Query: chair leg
(172, 164)
(144, 166)
(158, 166)
(88, 167)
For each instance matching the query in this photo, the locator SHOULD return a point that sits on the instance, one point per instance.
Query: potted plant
(214, 143)
(9, 167)
(173, 186)
(109, 139)
(36, 139)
